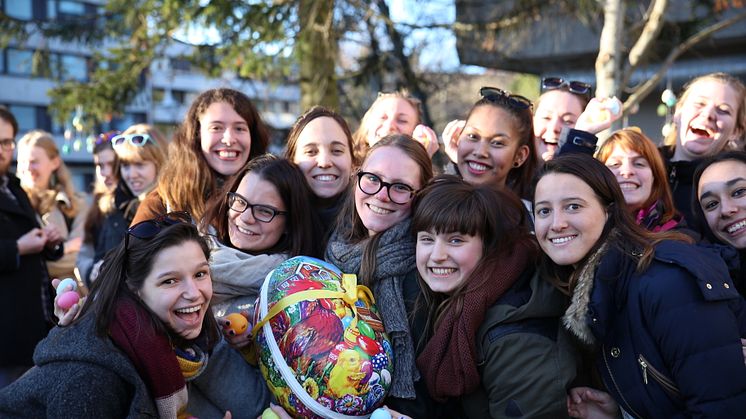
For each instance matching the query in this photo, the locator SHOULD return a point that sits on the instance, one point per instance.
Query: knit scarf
(164, 369)
(395, 258)
(449, 360)
(650, 218)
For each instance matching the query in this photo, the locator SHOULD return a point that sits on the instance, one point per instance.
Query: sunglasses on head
(572, 86)
(495, 95)
(137, 140)
(148, 229)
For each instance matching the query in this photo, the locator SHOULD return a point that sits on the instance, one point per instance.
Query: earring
(516, 164)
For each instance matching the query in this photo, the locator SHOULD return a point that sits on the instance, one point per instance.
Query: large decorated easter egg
(320, 342)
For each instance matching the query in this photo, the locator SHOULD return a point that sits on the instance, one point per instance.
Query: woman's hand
(236, 329)
(451, 134)
(599, 115)
(427, 137)
(588, 403)
(53, 235)
(66, 316)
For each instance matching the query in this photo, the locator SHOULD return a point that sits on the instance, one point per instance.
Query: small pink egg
(67, 300)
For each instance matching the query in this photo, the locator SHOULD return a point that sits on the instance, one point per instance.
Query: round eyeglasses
(370, 184)
(263, 213)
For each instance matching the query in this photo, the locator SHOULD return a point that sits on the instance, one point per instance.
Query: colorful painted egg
(320, 344)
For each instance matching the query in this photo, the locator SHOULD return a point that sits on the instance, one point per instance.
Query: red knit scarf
(152, 354)
(448, 362)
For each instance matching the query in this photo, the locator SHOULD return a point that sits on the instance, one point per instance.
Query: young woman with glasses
(221, 132)
(373, 239)
(144, 332)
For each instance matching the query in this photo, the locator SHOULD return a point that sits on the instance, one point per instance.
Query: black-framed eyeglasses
(8, 143)
(573, 86)
(150, 228)
(137, 140)
(496, 95)
(370, 184)
(263, 213)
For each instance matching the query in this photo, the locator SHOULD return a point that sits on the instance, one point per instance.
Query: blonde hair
(43, 200)
(725, 79)
(153, 150)
(360, 136)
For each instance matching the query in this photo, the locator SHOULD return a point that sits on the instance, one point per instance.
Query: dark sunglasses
(576, 87)
(148, 229)
(495, 95)
(137, 140)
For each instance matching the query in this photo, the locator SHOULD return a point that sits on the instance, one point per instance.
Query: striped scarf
(164, 369)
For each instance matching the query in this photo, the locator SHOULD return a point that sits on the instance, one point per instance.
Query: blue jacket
(674, 327)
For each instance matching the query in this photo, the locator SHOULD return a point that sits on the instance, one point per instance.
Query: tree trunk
(316, 49)
(609, 59)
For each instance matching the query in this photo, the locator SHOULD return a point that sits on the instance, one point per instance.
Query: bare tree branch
(647, 87)
(649, 33)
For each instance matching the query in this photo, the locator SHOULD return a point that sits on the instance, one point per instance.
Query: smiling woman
(621, 278)
(475, 259)
(641, 173)
(144, 331)
(709, 115)
(221, 132)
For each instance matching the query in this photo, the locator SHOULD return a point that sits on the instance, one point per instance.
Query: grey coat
(78, 374)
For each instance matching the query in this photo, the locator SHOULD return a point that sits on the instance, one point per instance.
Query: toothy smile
(626, 186)
(228, 154)
(245, 231)
(379, 210)
(325, 178)
(478, 167)
(442, 271)
(736, 227)
(188, 309)
(562, 240)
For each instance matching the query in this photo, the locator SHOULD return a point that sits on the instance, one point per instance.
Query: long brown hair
(124, 271)
(620, 229)
(187, 181)
(634, 140)
(354, 230)
(449, 204)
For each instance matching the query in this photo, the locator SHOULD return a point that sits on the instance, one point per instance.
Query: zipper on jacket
(618, 390)
(666, 383)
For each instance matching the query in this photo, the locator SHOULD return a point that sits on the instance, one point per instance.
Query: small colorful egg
(68, 299)
(366, 330)
(380, 413)
(64, 283)
(269, 414)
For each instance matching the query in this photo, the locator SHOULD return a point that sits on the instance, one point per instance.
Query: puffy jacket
(527, 362)
(667, 338)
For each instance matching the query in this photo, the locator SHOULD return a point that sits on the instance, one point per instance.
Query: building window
(70, 8)
(19, 9)
(179, 64)
(26, 117)
(19, 62)
(73, 67)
